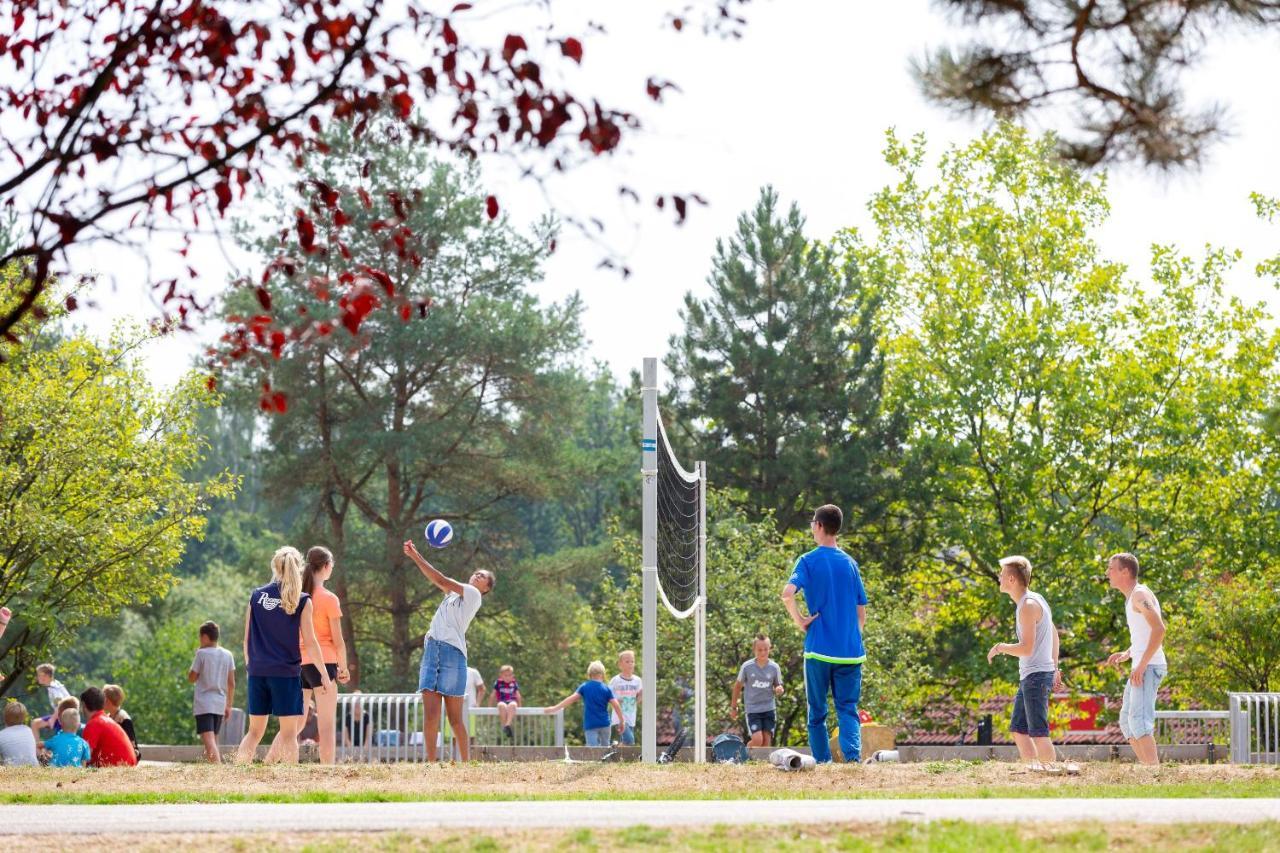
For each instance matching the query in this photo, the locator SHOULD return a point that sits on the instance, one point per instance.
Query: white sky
(802, 102)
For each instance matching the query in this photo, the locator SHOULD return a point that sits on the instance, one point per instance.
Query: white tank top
(1041, 657)
(1140, 631)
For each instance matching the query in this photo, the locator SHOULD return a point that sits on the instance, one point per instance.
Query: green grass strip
(1177, 790)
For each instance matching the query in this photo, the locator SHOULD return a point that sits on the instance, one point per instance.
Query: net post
(700, 645)
(649, 561)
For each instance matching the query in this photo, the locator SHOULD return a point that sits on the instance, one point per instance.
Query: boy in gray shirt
(213, 672)
(761, 680)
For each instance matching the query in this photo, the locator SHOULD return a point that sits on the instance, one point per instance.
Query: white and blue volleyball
(439, 533)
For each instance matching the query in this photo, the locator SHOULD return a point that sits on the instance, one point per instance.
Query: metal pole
(649, 561)
(700, 666)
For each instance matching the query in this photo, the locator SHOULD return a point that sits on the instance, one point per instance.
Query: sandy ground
(551, 779)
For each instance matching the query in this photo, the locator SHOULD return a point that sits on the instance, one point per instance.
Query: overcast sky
(802, 102)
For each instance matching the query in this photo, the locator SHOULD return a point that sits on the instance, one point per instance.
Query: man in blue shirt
(833, 649)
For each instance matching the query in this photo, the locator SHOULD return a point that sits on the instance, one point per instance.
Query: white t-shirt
(627, 692)
(474, 680)
(454, 616)
(18, 747)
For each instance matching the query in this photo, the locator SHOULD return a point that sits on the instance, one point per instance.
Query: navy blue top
(595, 704)
(275, 637)
(833, 589)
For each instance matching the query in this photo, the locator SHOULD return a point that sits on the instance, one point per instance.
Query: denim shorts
(443, 670)
(1138, 711)
(598, 737)
(1031, 705)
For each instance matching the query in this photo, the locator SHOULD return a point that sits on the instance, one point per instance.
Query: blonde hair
(114, 694)
(46, 669)
(506, 667)
(15, 713)
(595, 669)
(286, 570)
(625, 652)
(70, 719)
(1020, 566)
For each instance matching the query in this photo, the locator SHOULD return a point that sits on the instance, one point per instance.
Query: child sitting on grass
(596, 698)
(66, 748)
(17, 744)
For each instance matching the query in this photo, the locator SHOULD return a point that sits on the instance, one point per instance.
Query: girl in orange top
(326, 613)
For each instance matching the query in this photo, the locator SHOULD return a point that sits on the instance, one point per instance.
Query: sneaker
(506, 730)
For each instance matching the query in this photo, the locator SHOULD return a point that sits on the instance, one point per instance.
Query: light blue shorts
(1138, 711)
(598, 737)
(443, 670)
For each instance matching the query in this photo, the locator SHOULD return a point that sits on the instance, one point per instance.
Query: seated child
(66, 748)
(506, 696)
(17, 743)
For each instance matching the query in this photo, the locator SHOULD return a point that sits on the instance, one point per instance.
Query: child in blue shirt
(66, 748)
(596, 698)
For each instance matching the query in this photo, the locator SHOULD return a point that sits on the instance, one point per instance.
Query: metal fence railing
(1255, 728)
(376, 727)
(1189, 728)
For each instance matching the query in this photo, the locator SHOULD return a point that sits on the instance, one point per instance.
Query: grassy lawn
(935, 837)
(559, 781)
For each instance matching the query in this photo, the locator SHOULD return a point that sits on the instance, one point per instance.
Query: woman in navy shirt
(278, 615)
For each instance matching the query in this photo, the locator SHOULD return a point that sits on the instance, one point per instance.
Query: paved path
(357, 817)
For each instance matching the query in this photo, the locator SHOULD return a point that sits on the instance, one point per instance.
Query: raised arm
(443, 583)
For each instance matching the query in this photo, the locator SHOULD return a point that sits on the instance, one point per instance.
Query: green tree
(454, 415)
(778, 374)
(748, 561)
(97, 511)
(1228, 640)
(1064, 412)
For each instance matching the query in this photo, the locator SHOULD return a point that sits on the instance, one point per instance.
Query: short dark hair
(830, 518)
(762, 637)
(1127, 560)
(210, 630)
(93, 699)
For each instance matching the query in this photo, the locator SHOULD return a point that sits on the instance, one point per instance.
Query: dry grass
(555, 779)
(896, 836)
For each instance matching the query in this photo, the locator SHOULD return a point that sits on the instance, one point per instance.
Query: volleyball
(439, 533)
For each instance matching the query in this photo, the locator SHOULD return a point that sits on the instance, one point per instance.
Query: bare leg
(326, 719)
(211, 747)
(766, 738)
(453, 707)
(285, 748)
(1145, 748)
(1044, 750)
(1026, 749)
(757, 739)
(252, 737)
(430, 721)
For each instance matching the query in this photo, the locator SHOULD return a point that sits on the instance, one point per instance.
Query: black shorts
(311, 675)
(765, 721)
(208, 723)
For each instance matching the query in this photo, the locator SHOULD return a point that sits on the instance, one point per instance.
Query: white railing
(1191, 728)
(1255, 728)
(374, 727)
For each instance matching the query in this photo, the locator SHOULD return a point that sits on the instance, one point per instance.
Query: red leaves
(403, 102)
(264, 298)
(306, 231)
(273, 402)
(71, 303)
(512, 45)
(381, 278)
(655, 87)
(491, 206)
(450, 37)
(572, 48)
(356, 306)
(222, 190)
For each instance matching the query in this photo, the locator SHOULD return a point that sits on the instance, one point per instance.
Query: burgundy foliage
(122, 119)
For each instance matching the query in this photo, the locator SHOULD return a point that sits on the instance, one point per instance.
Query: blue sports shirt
(833, 589)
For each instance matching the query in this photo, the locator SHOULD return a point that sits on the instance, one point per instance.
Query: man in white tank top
(1146, 652)
(1037, 653)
